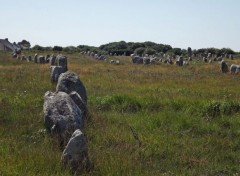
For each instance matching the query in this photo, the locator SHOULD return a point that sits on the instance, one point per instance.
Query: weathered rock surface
(41, 59)
(52, 60)
(223, 66)
(35, 58)
(137, 60)
(146, 60)
(75, 155)
(79, 101)
(234, 69)
(62, 61)
(69, 82)
(61, 115)
(55, 73)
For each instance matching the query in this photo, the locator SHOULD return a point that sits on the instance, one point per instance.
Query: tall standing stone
(62, 62)
(223, 66)
(52, 60)
(189, 50)
(35, 58)
(41, 60)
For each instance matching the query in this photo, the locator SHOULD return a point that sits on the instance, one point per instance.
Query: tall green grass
(144, 120)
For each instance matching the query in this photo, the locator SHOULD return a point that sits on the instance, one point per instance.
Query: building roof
(9, 45)
(16, 46)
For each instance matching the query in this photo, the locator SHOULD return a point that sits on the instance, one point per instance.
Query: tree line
(139, 48)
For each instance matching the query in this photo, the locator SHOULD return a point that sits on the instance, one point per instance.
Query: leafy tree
(38, 47)
(177, 51)
(48, 48)
(227, 51)
(24, 44)
(88, 48)
(215, 51)
(149, 44)
(57, 48)
(133, 46)
(150, 51)
(184, 52)
(70, 49)
(139, 51)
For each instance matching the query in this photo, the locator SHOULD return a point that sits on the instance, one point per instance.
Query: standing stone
(23, 58)
(179, 61)
(137, 60)
(102, 57)
(75, 155)
(35, 58)
(223, 66)
(92, 54)
(47, 58)
(209, 55)
(234, 69)
(68, 82)
(62, 61)
(14, 55)
(112, 62)
(169, 61)
(146, 60)
(55, 73)
(79, 101)
(61, 115)
(189, 50)
(205, 59)
(41, 59)
(29, 58)
(52, 60)
(117, 62)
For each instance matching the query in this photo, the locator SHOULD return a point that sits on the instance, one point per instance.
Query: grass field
(144, 120)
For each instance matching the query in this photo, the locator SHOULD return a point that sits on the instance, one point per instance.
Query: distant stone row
(36, 59)
(100, 57)
(58, 64)
(65, 112)
(96, 56)
(174, 59)
(146, 60)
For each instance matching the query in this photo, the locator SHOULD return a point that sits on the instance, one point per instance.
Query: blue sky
(179, 23)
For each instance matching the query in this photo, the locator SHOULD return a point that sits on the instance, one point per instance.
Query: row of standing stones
(58, 64)
(179, 60)
(65, 111)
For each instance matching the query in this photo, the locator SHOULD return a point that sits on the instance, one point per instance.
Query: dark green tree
(57, 48)
(38, 47)
(24, 44)
(150, 51)
(139, 51)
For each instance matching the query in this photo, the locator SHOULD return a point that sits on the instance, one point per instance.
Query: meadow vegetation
(143, 120)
